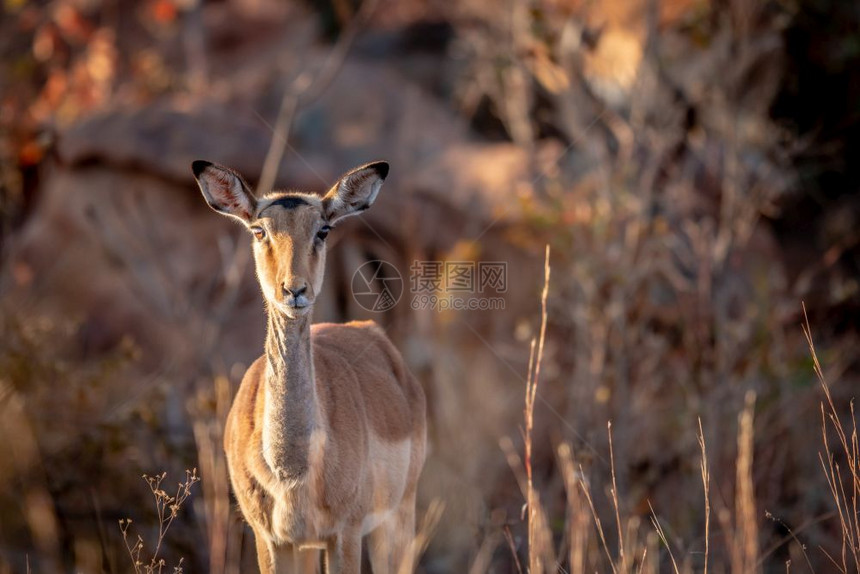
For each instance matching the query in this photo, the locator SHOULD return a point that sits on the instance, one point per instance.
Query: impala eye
(323, 233)
(259, 233)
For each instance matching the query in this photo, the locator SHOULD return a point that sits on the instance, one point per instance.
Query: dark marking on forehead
(289, 202)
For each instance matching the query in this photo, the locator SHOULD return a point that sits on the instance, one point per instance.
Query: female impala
(326, 437)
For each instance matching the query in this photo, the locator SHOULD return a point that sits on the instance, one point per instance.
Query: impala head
(289, 228)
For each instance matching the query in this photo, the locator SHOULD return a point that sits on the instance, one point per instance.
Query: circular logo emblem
(377, 286)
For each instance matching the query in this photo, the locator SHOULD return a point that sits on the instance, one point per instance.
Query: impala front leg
(289, 559)
(264, 554)
(343, 553)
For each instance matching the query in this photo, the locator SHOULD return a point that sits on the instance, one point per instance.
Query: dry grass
(587, 544)
(843, 480)
(167, 508)
(706, 484)
(537, 531)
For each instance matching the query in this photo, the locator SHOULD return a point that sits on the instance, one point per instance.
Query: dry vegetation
(663, 155)
(167, 508)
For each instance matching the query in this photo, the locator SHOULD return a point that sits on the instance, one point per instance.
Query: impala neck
(290, 397)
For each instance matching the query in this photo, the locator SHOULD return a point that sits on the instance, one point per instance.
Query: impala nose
(295, 295)
(295, 292)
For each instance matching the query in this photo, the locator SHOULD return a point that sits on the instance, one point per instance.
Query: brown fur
(325, 440)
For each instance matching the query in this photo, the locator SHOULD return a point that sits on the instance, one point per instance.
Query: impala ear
(355, 192)
(224, 190)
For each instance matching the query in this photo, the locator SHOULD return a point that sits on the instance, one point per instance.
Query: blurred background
(691, 163)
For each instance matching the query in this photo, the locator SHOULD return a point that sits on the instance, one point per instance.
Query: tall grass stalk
(537, 539)
(706, 485)
(846, 499)
(745, 550)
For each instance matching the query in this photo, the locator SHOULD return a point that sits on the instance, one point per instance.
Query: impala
(326, 436)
